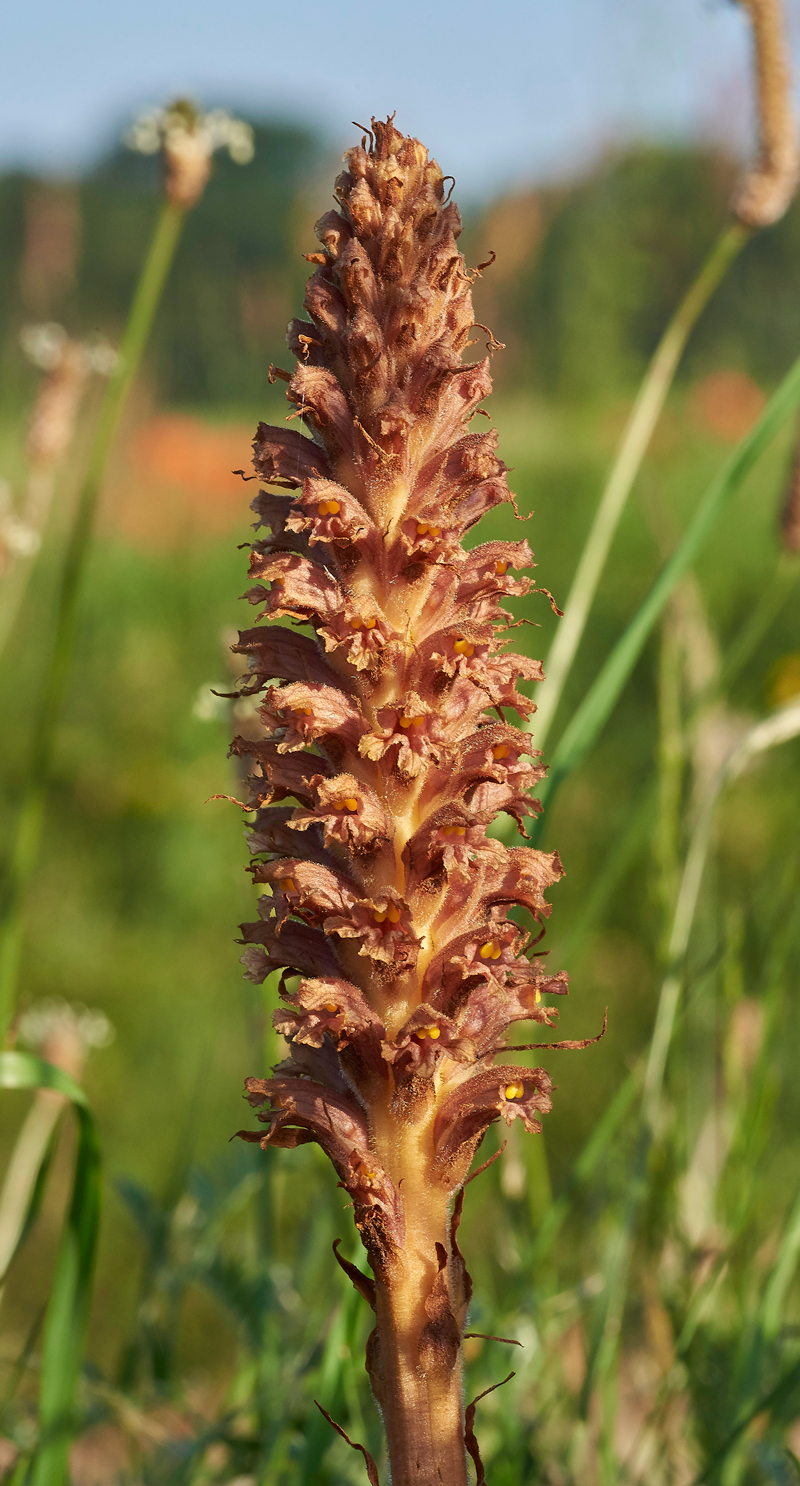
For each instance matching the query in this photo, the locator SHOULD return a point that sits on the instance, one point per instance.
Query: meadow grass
(214, 1291)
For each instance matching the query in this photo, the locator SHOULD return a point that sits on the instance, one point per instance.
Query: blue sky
(500, 91)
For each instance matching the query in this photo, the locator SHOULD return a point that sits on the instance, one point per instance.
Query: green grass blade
(70, 1295)
(596, 707)
(782, 1274)
(766, 1404)
(634, 444)
(25, 847)
(598, 1142)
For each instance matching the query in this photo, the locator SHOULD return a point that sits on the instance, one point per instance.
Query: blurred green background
(141, 882)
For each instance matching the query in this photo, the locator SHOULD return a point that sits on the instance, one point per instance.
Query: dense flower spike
(386, 757)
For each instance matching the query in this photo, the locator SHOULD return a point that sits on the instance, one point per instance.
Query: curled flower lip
(332, 1007)
(288, 946)
(348, 811)
(305, 713)
(281, 654)
(360, 633)
(273, 833)
(284, 457)
(300, 588)
(449, 841)
(471, 959)
(404, 726)
(331, 514)
(308, 889)
(385, 926)
(296, 1110)
(507, 1093)
(419, 1045)
(282, 775)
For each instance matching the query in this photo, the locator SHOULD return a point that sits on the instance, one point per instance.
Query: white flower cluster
(45, 346)
(41, 1021)
(217, 130)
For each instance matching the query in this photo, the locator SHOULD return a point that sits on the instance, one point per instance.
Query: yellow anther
(491, 950)
(515, 1091)
(453, 830)
(411, 722)
(330, 1007)
(286, 884)
(360, 623)
(432, 1032)
(463, 647)
(392, 913)
(355, 623)
(351, 803)
(434, 531)
(277, 583)
(422, 529)
(538, 996)
(334, 507)
(501, 568)
(304, 711)
(370, 623)
(500, 750)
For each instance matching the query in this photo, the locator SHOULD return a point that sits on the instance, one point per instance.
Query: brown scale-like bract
(386, 687)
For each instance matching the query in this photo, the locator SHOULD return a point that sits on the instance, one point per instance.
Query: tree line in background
(584, 280)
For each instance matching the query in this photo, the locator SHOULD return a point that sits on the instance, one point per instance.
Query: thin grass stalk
(638, 432)
(27, 839)
(775, 594)
(592, 714)
(68, 1305)
(780, 727)
(772, 731)
(761, 201)
(608, 1125)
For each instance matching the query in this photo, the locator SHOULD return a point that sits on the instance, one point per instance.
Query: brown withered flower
(385, 758)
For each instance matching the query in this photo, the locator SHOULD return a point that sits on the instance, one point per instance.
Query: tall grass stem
(68, 1305)
(25, 849)
(597, 705)
(778, 728)
(636, 437)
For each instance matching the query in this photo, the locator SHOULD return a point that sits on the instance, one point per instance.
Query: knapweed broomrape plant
(389, 906)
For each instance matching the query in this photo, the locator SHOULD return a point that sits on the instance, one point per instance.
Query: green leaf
(70, 1296)
(591, 716)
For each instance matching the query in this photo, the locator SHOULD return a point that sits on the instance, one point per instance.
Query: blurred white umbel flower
(187, 140)
(63, 1034)
(67, 365)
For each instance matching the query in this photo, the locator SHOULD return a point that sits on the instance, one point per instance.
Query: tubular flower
(382, 765)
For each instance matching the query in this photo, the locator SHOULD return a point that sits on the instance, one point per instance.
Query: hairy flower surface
(387, 754)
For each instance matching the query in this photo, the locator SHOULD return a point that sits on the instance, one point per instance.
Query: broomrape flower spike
(386, 755)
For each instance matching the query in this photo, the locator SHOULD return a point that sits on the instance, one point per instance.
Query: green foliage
(70, 1294)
